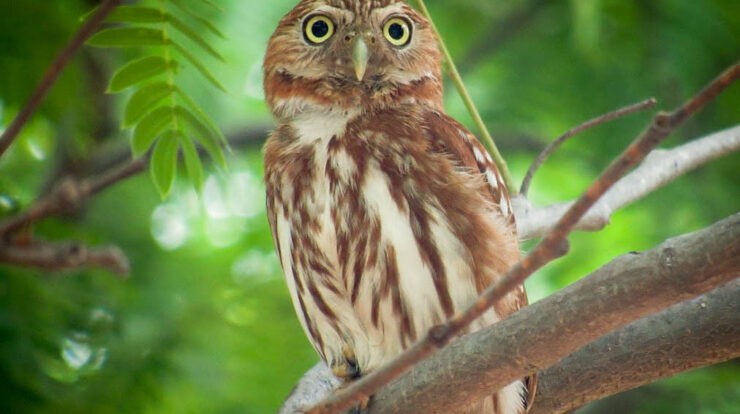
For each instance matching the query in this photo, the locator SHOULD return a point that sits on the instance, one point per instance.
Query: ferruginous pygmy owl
(388, 216)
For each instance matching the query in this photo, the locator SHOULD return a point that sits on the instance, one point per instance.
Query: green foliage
(204, 323)
(163, 116)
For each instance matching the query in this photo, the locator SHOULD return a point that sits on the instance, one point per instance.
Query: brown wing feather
(451, 137)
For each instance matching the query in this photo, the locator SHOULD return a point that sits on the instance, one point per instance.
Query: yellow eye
(318, 29)
(397, 31)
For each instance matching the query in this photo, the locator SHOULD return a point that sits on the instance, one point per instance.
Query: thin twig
(658, 169)
(470, 105)
(68, 195)
(602, 119)
(66, 256)
(550, 247)
(51, 75)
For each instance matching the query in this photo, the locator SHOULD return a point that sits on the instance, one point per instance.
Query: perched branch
(697, 333)
(659, 168)
(538, 336)
(688, 335)
(64, 257)
(548, 249)
(51, 75)
(553, 146)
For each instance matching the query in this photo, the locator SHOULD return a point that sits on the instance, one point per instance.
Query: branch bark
(59, 257)
(696, 333)
(658, 169)
(629, 287)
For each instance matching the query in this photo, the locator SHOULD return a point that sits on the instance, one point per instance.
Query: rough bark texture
(624, 290)
(689, 335)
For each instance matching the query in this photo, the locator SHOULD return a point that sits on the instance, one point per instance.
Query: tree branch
(629, 287)
(549, 248)
(659, 168)
(51, 75)
(68, 195)
(591, 123)
(693, 334)
(65, 257)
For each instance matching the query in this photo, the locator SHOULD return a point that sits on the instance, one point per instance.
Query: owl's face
(350, 53)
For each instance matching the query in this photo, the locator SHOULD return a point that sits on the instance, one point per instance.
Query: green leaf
(201, 68)
(135, 14)
(163, 164)
(129, 37)
(192, 35)
(143, 100)
(192, 162)
(212, 4)
(202, 134)
(202, 21)
(215, 130)
(149, 128)
(137, 71)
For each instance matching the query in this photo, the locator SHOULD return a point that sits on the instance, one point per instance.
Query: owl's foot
(348, 369)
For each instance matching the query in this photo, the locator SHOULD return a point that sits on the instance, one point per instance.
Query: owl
(388, 216)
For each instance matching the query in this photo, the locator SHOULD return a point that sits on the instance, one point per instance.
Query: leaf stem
(470, 105)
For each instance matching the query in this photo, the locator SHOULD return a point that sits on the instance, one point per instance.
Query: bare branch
(602, 119)
(550, 247)
(68, 195)
(51, 75)
(658, 169)
(696, 333)
(628, 288)
(64, 257)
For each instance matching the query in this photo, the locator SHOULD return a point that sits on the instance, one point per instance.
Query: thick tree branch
(693, 334)
(658, 169)
(549, 248)
(51, 75)
(629, 287)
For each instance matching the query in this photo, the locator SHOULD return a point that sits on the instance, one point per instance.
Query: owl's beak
(360, 57)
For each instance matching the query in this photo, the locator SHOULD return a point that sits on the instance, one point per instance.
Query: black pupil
(396, 31)
(319, 29)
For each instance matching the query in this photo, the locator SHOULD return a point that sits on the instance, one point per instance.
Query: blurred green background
(204, 324)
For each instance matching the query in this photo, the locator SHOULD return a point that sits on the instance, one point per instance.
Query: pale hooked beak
(360, 57)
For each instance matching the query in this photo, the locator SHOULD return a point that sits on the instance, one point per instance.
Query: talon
(348, 369)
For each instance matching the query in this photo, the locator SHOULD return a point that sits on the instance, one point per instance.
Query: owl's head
(335, 54)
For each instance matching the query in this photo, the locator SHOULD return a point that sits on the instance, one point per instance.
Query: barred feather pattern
(388, 216)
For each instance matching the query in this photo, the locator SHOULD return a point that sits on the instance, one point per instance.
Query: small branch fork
(548, 249)
(553, 146)
(51, 75)
(659, 168)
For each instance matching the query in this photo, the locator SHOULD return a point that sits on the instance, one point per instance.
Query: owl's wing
(450, 137)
